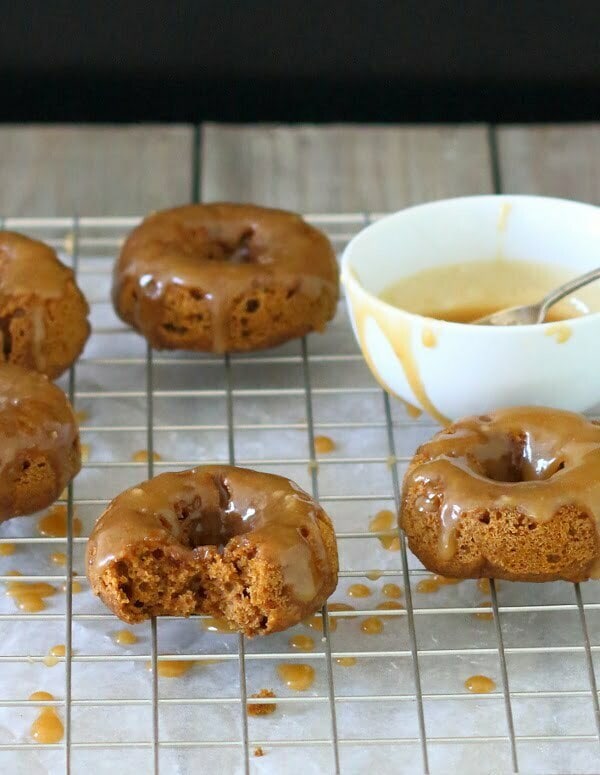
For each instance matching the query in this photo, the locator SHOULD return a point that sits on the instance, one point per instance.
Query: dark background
(355, 60)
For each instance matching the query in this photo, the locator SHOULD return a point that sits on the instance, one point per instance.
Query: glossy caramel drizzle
(221, 252)
(529, 459)
(266, 512)
(6, 550)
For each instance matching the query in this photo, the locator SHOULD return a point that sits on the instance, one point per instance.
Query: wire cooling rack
(403, 706)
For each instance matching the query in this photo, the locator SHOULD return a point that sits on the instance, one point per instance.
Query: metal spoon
(536, 313)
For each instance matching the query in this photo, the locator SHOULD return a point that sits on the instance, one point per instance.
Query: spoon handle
(566, 289)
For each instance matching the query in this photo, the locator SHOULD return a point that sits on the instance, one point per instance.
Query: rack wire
(403, 707)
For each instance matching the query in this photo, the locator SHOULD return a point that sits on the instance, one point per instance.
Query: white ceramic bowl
(474, 369)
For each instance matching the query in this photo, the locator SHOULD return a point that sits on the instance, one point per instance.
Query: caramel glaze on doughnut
(39, 442)
(225, 277)
(43, 314)
(252, 548)
(514, 494)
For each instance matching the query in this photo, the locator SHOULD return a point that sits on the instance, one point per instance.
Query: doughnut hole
(515, 458)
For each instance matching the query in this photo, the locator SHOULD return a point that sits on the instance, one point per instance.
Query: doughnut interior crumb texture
(504, 543)
(65, 325)
(263, 318)
(158, 580)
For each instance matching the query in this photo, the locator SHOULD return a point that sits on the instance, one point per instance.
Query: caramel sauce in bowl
(459, 259)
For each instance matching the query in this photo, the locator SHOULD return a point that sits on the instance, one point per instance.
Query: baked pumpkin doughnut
(511, 495)
(39, 442)
(252, 548)
(225, 278)
(43, 314)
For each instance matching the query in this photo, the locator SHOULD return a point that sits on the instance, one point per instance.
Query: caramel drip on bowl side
(398, 333)
(541, 460)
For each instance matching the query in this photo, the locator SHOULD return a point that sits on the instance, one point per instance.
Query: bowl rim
(349, 278)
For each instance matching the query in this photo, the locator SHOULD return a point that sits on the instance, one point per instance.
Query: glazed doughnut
(43, 314)
(252, 548)
(225, 278)
(511, 495)
(39, 442)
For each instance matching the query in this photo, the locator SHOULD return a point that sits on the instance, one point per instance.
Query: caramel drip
(29, 267)
(433, 583)
(38, 338)
(76, 587)
(346, 661)
(41, 696)
(35, 418)
(389, 605)
(29, 596)
(561, 332)
(372, 625)
(480, 684)
(141, 456)
(484, 586)
(397, 329)
(530, 459)
(54, 523)
(125, 638)
(81, 416)
(324, 444)
(296, 676)
(359, 590)
(302, 642)
(484, 615)
(316, 622)
(215, 624)
(221, 253)
(54, 655)
(385, 520)
(47, 729)
(391, 590)
(6, 550)
(58, 558)
(373, 575)
(217, 506)
(411, 410)
(173, 668)
(428, 337)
